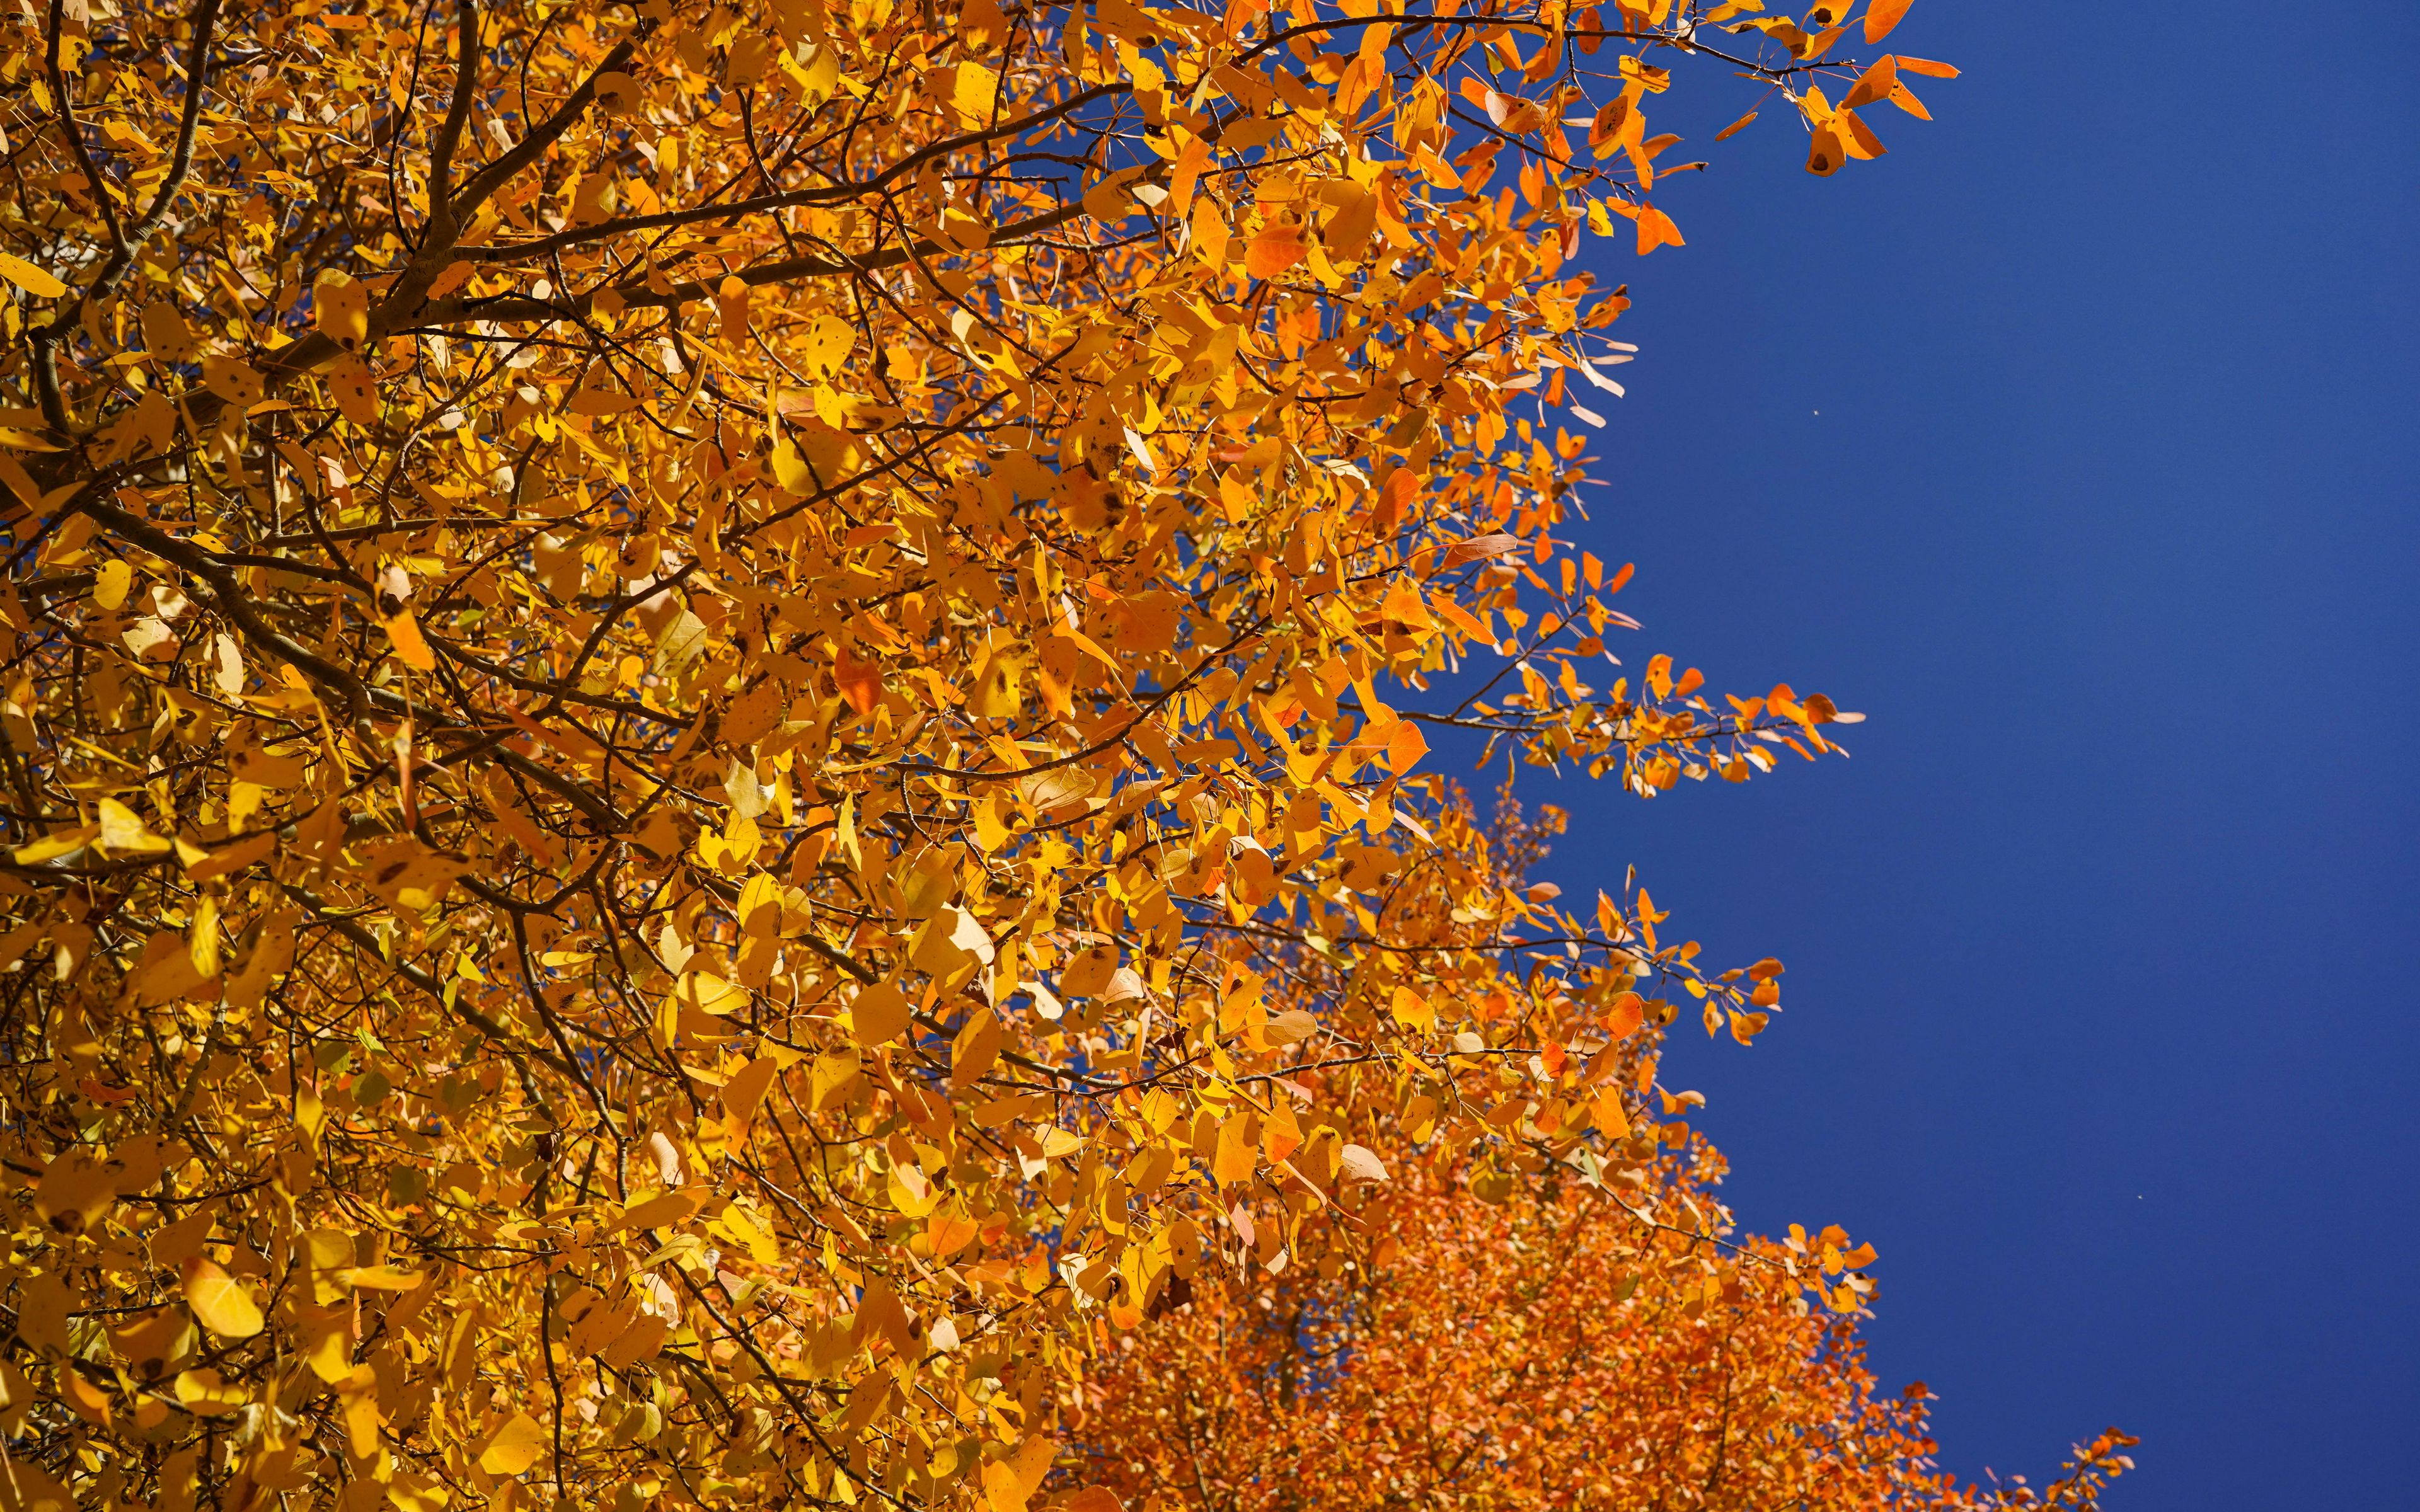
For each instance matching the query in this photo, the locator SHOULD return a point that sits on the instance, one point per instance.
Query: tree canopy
(715, 719)
(1557, 1345)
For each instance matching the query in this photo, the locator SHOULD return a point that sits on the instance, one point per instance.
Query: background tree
(1573, 1344)
(709, 706)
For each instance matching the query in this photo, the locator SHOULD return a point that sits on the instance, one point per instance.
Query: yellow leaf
(328, 1346)
(111, 584)
(595, 401)
(123, 834)
(31, 279)
(239, 383)
(383, 1279)
(1290, 1025)
(205, 1395)
(78, 1188)
(50, 846)
(171, 1244)
(26, 1487)
(233, 857)
(710, 994)
(220, 1304)
(202, 938)
(355, 389)
(661, 1211)
(1009, 1484)
(790, 469)
(829, 341)
(952, 941)
(909, 1192)
(1413, 1010)
(1210, 233)
(341, 308)
(973, 91)
(513, 1447)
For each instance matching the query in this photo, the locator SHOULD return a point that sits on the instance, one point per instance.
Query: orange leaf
(1734, 126)
(861, 682)
(1655, 229)
(1275, 250)
(949, 1231)
(741, 1094)
(881, 1014)
(1863, 142)
(1905, 99)
(1881, 15)
(1928, 68)
(1480, 548)
(1872, 85)
(405, 632)
(1609, 1114)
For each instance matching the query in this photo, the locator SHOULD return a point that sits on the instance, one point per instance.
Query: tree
(1580, 1345)
(702, 701)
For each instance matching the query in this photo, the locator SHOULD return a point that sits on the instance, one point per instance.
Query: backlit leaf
(219, 1301)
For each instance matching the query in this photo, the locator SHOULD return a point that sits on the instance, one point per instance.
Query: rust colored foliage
(1580, 1344)
(714, 713)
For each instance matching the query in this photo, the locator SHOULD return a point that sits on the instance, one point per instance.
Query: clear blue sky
(2099, 1012)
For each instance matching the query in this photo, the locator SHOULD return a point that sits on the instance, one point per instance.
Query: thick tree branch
(530, 148)
(457, 115)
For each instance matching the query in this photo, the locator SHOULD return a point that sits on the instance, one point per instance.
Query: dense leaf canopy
(714, 714)
(1568, 1346)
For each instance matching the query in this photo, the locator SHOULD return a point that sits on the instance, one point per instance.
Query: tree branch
(495, 175)
(449, 133)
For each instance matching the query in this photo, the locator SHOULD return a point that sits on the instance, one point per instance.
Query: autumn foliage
(1571, 1345)
(714, 731)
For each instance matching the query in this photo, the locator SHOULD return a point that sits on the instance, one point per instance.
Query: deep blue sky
(2099, 1012)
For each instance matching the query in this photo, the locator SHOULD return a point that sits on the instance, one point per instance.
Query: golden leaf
(513, 1447)
(880, 1014)
(123, 834)
(31, 279)
(219, 1301)
(1008, 1484)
